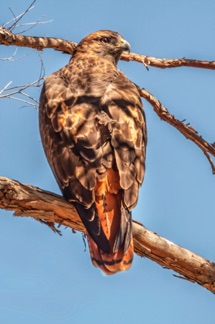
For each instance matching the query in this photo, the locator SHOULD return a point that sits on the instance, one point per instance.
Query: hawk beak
(124, 45)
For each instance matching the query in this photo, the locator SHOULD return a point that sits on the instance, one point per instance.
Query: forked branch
(14, 92)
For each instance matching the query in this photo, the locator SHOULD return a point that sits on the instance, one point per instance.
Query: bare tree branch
(165, 63)
(8, 38)
(11, 92)
(52, 209)
(10, 58)
(16, 19)
(188, 131)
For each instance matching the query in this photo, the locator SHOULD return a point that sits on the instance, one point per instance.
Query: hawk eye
(105, 40)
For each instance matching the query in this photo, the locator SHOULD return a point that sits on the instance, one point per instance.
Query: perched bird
(93, 131)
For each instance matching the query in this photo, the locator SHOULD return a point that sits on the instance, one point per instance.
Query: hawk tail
(115, 221)
(110, 263)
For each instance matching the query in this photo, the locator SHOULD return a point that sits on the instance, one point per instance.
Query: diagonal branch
(8, 38)
(185, 129)
(52, 209)
(16, 19)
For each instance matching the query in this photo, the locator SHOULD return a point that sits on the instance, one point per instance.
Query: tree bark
(52, 209)
(10, 39)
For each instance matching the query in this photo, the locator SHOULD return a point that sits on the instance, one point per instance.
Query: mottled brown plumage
(93, 132)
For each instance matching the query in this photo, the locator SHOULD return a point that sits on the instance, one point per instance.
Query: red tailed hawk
(93, 132)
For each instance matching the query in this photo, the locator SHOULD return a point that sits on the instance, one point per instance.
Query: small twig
(28, 103)
(30, 97)
(10, 93)
(38, 22)
(19, 88)
(10, 58)
(32, 25)
(18, 18)
(14, 18)
(209, 160)
(42, 69)
(5, 87)
(17, 59)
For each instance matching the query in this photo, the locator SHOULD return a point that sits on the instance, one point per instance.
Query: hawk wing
(93, 132)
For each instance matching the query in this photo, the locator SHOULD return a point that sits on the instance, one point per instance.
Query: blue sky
(45, 278)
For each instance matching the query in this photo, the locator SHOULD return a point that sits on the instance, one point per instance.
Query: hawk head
(105, 43)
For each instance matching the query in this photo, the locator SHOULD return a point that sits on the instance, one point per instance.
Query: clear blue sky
(45, 278)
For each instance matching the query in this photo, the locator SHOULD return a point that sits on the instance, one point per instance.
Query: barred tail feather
(112, 262)
(115, 222)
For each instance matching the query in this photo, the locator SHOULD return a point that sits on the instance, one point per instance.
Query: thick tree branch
(8, 38)
(52, 209)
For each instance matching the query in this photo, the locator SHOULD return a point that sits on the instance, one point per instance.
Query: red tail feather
(108, 204)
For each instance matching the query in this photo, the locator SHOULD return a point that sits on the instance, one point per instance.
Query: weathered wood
(8, 38)
(52, 209)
